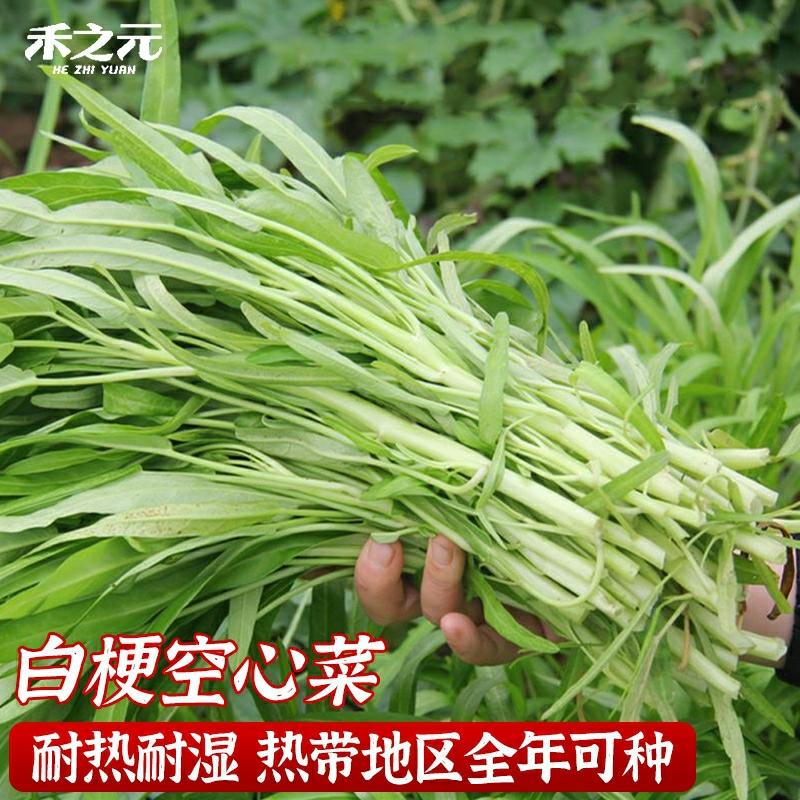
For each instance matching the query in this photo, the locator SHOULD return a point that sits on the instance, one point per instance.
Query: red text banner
(353, 756)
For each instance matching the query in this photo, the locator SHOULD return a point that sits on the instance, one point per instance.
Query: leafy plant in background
(497, 97)
(518, 93)
(723, 307)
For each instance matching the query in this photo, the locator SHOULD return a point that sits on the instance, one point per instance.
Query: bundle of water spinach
(216, 376)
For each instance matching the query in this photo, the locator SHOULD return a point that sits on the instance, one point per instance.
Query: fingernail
(380, 553)
(452, 633)
(442, 553)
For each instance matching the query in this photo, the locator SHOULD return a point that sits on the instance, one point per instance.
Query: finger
(441, 591)
(380, 586)
(476, 644)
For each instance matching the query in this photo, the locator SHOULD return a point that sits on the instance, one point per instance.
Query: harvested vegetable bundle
(230, 364)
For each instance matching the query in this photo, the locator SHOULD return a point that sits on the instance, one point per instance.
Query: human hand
(758, 619)
(388, 598)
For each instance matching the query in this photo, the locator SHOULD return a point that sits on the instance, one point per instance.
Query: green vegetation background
(516, 107)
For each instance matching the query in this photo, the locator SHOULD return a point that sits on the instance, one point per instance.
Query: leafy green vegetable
(279, 369)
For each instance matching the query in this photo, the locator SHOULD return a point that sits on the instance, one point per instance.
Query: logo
(102, 48)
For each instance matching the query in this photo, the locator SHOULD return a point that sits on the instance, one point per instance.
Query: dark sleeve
(790, 672)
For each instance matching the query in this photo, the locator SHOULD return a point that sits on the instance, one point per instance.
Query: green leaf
(142, 490)
(498, 289)
(422, 85)
(447, 225)
(87, 397)
(368, 208)
(395, 486)
(520, 49)
(128, 611)
(764, 707)
(404, 689)
(517, 266)
(672, 51)
(297, 444)
(733, 260)
(6, 342)
(64, 286)
(327, 611)
(58, 189)
(403, 189)
(587, 345)
(769, 423)
(586, 134)
(513, 152)
(602, 499)
(81, 575)
(161, 95)
(248, 171)
(706, 187)
(472, 696)
(602, 383)
(792, 444)
(768, 579)
(502, 620)
(502, 233)
(387, 153)
(456, 131)
(495, 374)
(730, 730)
(92, 154)
(606, 29)
(747, 38)
(39, 150)
(62, 458)
(242, 617)
(306, 155)
(121, 400)
(114, 253)
(166, 165)
(288, 211)
(494, 476)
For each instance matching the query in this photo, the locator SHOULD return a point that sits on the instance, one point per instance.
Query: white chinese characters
(94, 42)
(326, 757)
(195, 666)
